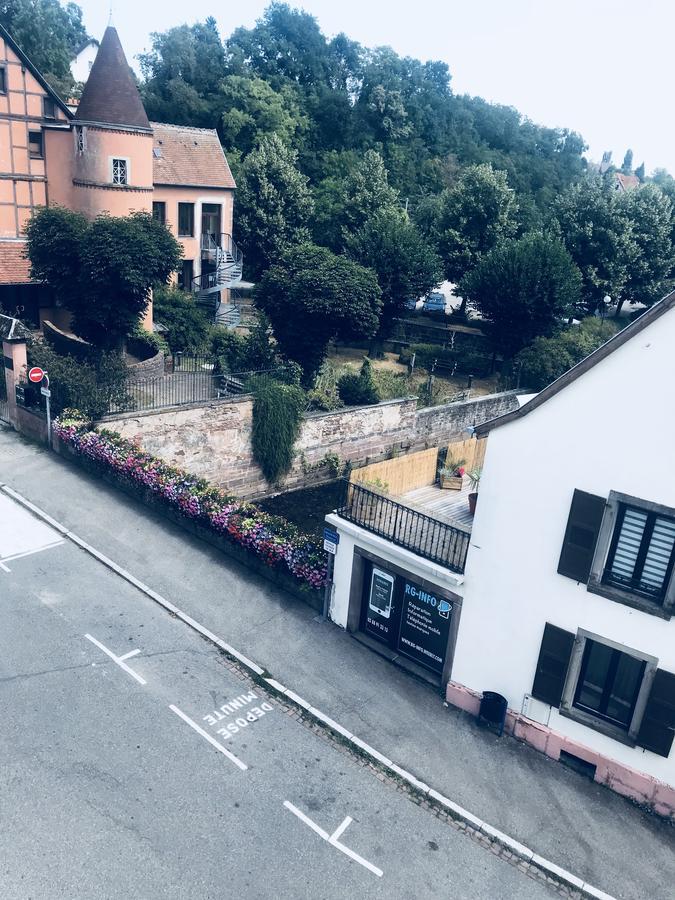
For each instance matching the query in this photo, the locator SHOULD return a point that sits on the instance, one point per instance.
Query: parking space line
(118, 660)
(212, 741)
(129, 654)
(332, 839)
(341, 829)
(5, 559)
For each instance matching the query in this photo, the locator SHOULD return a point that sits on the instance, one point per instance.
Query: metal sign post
(46, 393)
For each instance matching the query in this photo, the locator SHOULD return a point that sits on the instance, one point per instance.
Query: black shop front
(403, 616)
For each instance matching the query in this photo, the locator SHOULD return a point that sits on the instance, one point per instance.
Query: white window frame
(127, 162)
(567, 708)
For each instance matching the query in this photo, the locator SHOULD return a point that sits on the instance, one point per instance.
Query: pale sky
(600, 67)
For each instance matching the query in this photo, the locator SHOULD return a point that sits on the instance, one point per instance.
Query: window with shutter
(658, 722)
(581, 535)
(642, 552)
(554, 658)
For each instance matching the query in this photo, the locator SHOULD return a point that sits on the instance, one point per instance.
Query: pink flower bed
(272, 538)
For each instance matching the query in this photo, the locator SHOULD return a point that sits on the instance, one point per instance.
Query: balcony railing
(405, 527)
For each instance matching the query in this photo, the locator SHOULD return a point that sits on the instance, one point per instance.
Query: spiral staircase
(222, 265)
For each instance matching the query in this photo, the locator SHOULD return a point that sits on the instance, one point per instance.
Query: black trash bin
(493, 710)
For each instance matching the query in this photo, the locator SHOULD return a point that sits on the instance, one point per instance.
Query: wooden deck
(451, 507)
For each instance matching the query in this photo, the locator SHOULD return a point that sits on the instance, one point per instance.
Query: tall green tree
(103, 271)
(183, 73)
(273, 206)
(523, 289)
(597, 231)
(651, 265)
(475, 214)
(627, 164)
(313, 296)
(404, 262)
(49, 33)
(253, 110)
(367, 192)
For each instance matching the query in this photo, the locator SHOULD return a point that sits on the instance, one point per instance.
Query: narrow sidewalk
(577, 824)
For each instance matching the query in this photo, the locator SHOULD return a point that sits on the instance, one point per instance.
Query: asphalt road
(168, 774)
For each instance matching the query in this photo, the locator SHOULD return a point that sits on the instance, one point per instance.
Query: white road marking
(129, 654)
(21, 534)
(212, 741)
(332, 839)
(457, 811)
(341, 829)
(119, 660)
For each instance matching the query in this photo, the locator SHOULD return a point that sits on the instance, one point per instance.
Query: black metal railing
(190, 362)
(405, 527)
(189, 387)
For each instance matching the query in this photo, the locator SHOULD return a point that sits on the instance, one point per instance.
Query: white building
(80, 65)
(560, 595)
(569, 593)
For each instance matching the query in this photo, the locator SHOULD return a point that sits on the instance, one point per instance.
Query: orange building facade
(103, 156)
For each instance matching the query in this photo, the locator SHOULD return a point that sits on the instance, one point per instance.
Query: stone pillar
(14, 336)
(15, 362)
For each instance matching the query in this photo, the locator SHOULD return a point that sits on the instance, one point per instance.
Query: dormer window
(120, 171)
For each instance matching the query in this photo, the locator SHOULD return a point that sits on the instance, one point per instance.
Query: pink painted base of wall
(628, 782)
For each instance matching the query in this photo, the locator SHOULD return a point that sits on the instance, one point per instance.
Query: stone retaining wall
(214, 439)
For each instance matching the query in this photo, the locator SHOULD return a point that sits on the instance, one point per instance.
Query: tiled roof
(14, 266)
(110, 95)
(627, 181)
(189, 156)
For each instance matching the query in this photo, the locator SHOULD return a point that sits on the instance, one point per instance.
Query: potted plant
(474, 477)
(451, 476)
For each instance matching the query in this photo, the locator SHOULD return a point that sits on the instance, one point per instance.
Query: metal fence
(188, 362)
(185, 387)
(406, 527)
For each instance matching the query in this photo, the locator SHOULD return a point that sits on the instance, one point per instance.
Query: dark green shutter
(658, 722)
(581, 536)
(552, 665)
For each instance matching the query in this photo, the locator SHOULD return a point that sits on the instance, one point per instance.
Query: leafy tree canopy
(274, 205)
(312, 297)
(474, 215)
(102, 271)
(596, 230)
(366, 192)
(547, 358)
(524, 289)
(405, 265)
(49, 33)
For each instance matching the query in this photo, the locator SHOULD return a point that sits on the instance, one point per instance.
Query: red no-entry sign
(36, 374)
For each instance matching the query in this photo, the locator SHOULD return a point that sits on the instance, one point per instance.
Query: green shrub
(244, 353)
(88, 386)
(359, 390)
(546, 359)
(146, 344)
(187, 326)
(391, 385)
(277, 414)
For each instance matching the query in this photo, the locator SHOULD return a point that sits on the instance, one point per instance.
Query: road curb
(550, 869)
